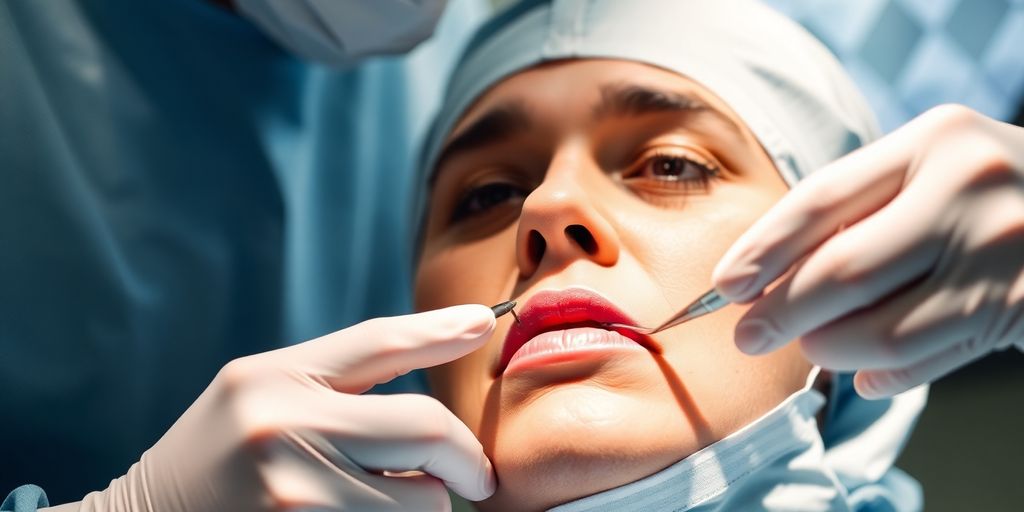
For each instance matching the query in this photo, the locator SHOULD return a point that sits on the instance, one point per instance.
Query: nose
(559, 224)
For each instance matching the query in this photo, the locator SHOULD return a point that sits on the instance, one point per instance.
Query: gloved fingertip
(484, 486)
(484, 320)
(735, 289)
(754, 336)
(869, 386)
(490, 480)
(736, 282)
(470, 321)
(482, 492)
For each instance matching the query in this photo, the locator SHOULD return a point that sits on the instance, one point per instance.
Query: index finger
(840, 194)
(355, 359)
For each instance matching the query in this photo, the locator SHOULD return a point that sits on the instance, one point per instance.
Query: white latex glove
(287, 430)
(341, 32)
(905, 258)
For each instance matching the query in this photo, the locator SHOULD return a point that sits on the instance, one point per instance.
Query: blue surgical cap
(780, 80)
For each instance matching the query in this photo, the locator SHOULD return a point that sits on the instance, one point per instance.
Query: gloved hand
(287, 430)
(341, 32)
(905, 258)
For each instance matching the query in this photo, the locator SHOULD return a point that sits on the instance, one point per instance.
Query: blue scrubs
(177, 191)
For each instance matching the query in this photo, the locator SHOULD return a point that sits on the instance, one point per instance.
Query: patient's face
(593, 191)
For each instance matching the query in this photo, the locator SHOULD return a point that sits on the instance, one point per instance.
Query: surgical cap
(781, 81)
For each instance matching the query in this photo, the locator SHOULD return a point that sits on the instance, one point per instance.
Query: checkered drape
(909, 55)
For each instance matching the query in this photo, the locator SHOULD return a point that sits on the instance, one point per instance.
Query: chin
(580, 439)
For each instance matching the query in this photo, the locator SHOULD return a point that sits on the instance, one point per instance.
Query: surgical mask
(340, 32)
(776, 462)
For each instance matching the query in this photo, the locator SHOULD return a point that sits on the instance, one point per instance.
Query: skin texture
(562, 432)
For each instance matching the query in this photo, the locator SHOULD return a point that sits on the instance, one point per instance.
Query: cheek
(482, 272)
(478, 272)
(679, 251)
(679, 248)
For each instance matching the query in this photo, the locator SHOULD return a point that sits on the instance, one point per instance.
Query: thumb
(353, 360)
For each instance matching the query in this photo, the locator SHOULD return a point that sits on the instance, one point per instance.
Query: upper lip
(552, 310)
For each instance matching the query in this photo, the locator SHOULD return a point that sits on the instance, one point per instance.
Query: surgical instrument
(707, 303)
(505, 307)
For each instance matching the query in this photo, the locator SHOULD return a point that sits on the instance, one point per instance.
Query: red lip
(566, 309)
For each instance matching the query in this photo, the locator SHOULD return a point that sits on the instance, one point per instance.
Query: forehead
(555, 90)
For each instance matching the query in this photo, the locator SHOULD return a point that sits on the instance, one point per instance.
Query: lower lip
(569, 344)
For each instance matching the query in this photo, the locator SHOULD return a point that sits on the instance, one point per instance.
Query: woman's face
(593, 191)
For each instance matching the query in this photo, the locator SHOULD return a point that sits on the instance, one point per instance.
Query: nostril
(535, 246)
(583, 238)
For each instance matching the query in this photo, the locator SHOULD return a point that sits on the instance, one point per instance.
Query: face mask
(775, 463)
(342, 31)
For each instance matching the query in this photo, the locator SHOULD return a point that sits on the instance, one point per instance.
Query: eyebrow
(637, 100)
(498, 124)
(622, 99)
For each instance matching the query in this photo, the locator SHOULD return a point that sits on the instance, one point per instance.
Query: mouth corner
(643, 340)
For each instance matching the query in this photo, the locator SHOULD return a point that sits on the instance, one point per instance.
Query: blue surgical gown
(177, 191)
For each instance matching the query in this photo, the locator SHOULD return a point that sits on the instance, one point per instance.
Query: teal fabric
(909, 56)
(177, 191)
(27, 498)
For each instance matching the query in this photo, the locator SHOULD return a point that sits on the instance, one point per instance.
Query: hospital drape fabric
(910, 55)
(177, 191)
(27, 498)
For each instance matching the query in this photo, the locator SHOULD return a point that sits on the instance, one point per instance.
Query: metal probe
(505, 307)
(710, 302)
